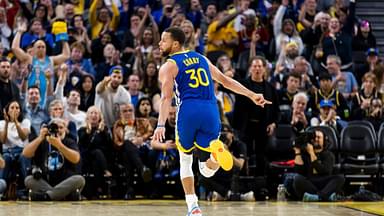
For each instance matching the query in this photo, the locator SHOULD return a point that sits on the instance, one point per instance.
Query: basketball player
(198, 123)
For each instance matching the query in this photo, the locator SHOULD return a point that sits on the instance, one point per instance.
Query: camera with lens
(53, 129)
(37, 173)
(303, 139)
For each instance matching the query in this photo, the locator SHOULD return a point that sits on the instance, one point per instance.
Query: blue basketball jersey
(194, 80)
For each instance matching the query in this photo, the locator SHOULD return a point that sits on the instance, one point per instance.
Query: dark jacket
(323, 166)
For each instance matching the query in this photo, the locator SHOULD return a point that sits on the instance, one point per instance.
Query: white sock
(191, 200)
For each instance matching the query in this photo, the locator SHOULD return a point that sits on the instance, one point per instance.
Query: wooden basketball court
(177, 207)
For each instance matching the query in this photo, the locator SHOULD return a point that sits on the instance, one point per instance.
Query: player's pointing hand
(259, 100)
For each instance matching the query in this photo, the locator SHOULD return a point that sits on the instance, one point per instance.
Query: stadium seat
(279, 148)
(366, 123)
(358, 154)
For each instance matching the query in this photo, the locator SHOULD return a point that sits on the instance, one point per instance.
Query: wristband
(161, 126)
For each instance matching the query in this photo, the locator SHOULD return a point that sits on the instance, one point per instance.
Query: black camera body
(53, 129)
(303, 138)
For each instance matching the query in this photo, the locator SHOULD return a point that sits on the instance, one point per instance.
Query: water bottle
(281, 193)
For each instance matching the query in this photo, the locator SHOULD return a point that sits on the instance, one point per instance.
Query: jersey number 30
(198, 77)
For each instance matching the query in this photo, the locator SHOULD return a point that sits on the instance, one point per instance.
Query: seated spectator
(371, 61)
(9, 89)
(376, 113)
(287, 94)
(55, 157)
(344, 82)
(297, 116)
(95, 146)
(144, 109)
(314, 164)
(361, 103)
(150, 82)
(14, 131)
(328, 92)
(130, 135)
(56, 110)
(379, 72)
(225, 185)
(328, 117)
(164, 156)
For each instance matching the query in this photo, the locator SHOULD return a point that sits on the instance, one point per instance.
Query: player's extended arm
(236, 87)
(166, 77)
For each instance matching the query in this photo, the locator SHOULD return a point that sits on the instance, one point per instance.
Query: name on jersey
(191, 61)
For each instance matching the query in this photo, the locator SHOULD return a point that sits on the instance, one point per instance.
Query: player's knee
(185, 165)
(206, 171)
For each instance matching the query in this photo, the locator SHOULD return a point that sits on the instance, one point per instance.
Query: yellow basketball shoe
(222, 155)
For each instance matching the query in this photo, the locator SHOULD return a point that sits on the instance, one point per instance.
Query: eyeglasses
(128, 110)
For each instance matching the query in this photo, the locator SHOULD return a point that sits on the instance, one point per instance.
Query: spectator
(371, 61)
(361, 103)
(14, 131)
(338, 41)
(95, 146)
(9, 89)
(314, 165)
(37, 32)
(364, 38)
(222, 36)
(80, 34)
(287, 94)
(328, 92)
(78, 66)
(285, 64)
(242, 5)
(72, 102)
(285, 30)
(328, 117)
(299, 118)
(254, 123)
(150, 81)
(5, 31)
(225, 185)
(307, 13)
(134, 89)
(209, 16)
(192, 39)
(101, 19)
(33, 111)
(42, 65)
(344, 82)
(379, 72)
(56, 110)
(308, 80)
(375, 115)
(110, 94)
(56, 156)
(144, 109)
(87, 92)
(130, 134)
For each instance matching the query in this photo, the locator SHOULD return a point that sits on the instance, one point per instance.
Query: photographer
(225, 185)
(314, 164)
(55, 156)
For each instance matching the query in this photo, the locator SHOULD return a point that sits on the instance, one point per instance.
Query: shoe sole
(223, 157)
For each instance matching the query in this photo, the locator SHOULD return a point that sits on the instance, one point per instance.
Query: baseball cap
(326, 103)
(116, 69)
(373, 51)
